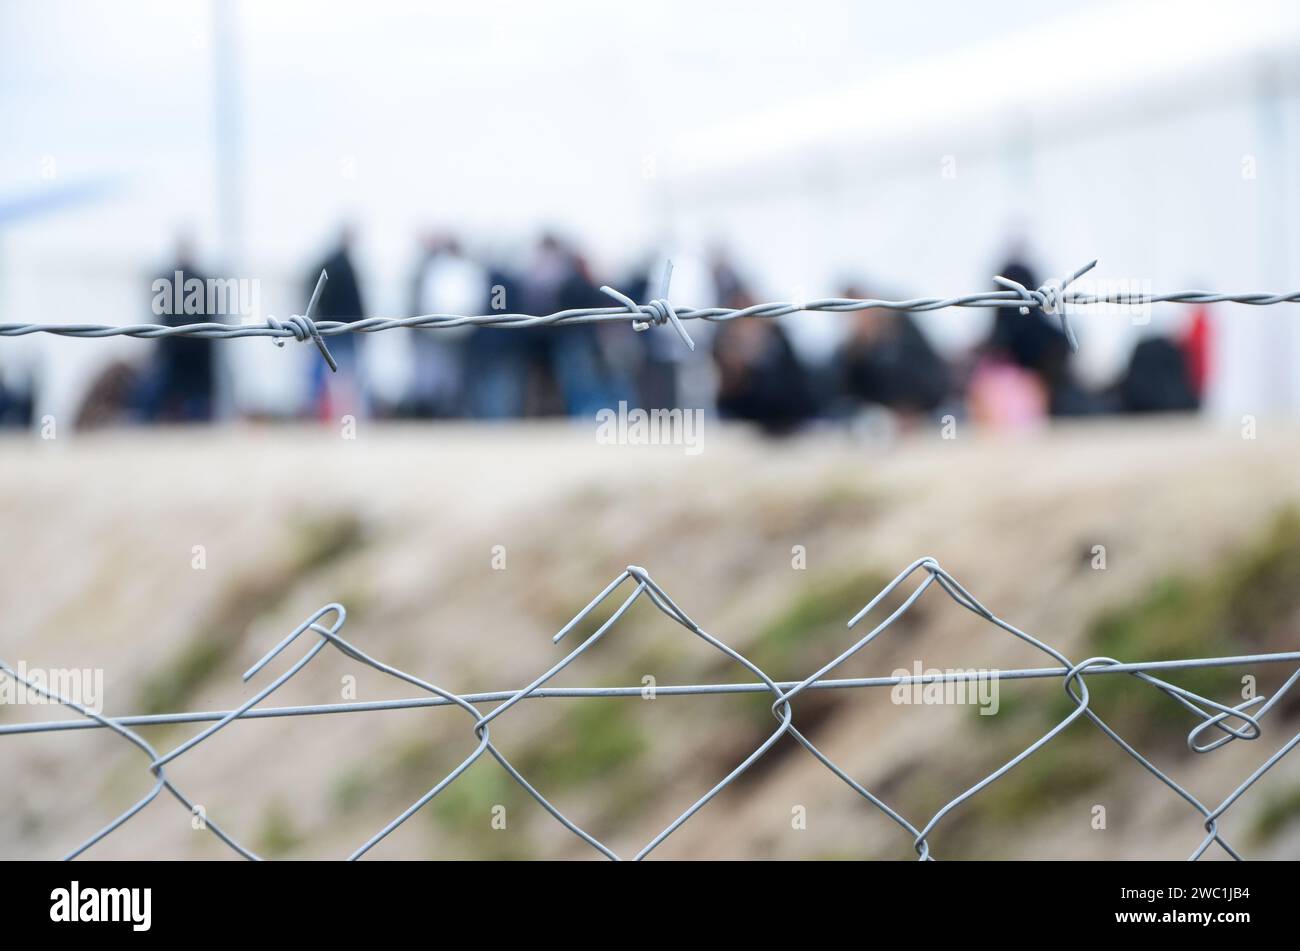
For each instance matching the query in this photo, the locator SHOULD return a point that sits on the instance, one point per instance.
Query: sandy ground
(172, 560)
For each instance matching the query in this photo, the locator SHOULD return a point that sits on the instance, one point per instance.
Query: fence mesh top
(1214, 724)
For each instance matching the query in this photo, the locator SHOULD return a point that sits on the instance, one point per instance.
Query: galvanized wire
(1241, 721)
(1051, 298)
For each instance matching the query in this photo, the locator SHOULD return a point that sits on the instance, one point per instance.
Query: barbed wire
(1241, 721)
(1051, 298)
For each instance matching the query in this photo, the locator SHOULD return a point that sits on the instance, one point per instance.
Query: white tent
(1162, 138)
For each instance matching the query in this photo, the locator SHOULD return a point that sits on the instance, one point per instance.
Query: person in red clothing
(1196, 343)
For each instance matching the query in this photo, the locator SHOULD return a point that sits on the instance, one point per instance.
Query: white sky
(496, 117)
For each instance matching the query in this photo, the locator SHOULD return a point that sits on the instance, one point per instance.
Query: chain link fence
(1217, 724)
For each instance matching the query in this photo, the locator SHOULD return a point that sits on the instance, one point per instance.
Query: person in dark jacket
(887, 360)
(184, 376)
(497, 361)
(340, 300)
(1158, 379)
(1035, 343)
(760, 378)
(576, 356)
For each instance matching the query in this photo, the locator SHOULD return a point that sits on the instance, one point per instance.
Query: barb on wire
(1051, 298)
(1241, 721)
(303, 327)
(659, 309)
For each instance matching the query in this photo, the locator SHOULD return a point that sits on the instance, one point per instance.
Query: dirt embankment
(174, 560)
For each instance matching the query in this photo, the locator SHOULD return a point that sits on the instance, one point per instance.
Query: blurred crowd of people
(885, 367)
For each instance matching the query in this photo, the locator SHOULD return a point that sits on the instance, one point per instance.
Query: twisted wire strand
(1051, 298)
(666, 690)
(1233, 722)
